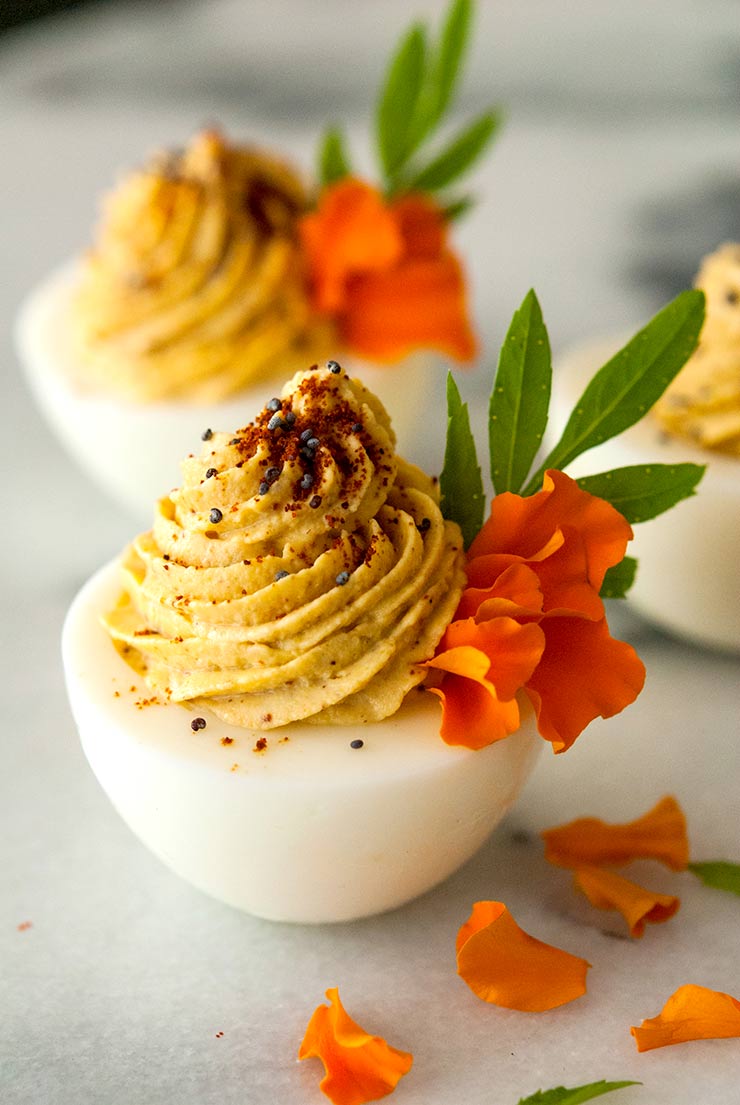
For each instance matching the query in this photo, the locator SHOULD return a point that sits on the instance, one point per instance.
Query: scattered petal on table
(692, 1013)
(359, 1067)
(659, 834)
(506, 966)
(607, 890)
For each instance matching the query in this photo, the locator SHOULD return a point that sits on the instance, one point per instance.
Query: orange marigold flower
(385, 271)
(692, 1013)
(506, 966)
(607, 890)
(359, 1067)
(539, 562)
(659, 834)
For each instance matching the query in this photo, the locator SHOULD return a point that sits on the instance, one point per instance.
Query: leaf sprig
(617, 397)
(414, 100)
(561, 1095)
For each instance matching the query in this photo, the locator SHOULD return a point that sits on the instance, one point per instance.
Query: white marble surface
(617, 169)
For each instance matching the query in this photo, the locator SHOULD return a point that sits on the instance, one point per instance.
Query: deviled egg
(688, 577)
(190, 310)
(247, 678)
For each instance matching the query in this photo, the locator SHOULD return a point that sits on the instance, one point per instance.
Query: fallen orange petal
(692, 1013)
(359, 1067)
(506, 966)
(607, 890)
(659, 834)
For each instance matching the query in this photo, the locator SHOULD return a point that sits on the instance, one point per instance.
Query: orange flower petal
(584, 673)
(659, 834)
(692, 1013)
(352, 231)
(515, 590)
(525, 525)
(359, 1067)
(418, 304)
(484, 665)
(506, 966)
(422, 225)
(513, 650)
(607, 890)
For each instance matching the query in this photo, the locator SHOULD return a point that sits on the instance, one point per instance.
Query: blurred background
(616, 168)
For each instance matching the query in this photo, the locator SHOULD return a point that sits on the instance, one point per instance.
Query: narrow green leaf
(398, 99)
(517, 413)
(718, 874)
(460, 484)
(630, 383)
(560, 1095)
(333, 159)
(442, 73)
(642, 491)
(458, 156)
(619, 579)
(455, 209)
(447, 66)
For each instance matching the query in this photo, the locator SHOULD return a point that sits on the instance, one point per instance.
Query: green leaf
(333, 160)
(520, 397)
(718, 874)
(619, 579)
(458, 156)
(398, 99)
(442, 74)
(447, 65)
(455, 209)
(461, 485)
(562, 1096)
(630, 383)
(642, 491)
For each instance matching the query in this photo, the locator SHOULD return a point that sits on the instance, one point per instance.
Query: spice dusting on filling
(322, 609)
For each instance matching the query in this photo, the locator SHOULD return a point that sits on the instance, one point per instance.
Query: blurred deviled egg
(688, 578)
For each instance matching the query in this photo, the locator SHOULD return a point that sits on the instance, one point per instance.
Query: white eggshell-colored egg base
(307, 830)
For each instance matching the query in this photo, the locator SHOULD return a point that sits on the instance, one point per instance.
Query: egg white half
(305, 828)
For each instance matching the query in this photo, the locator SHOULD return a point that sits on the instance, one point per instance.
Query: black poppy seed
(290, 417)
(307, 481)
(206, 435)
(281, 574)
(313, 443)
(307, 454)
(334, 366)
(198, 723)
(342, 578)
(315, 501)
(264, 487)
(273, 405)
(306, 435)
(234, 441)
(277, 422)
(215, 515)
(356, 743)
(424, 525)
(357, 428)
(272, 474)
(211, 472)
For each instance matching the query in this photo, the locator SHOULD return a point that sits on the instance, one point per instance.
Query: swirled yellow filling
(196, 285)
(301, 571)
